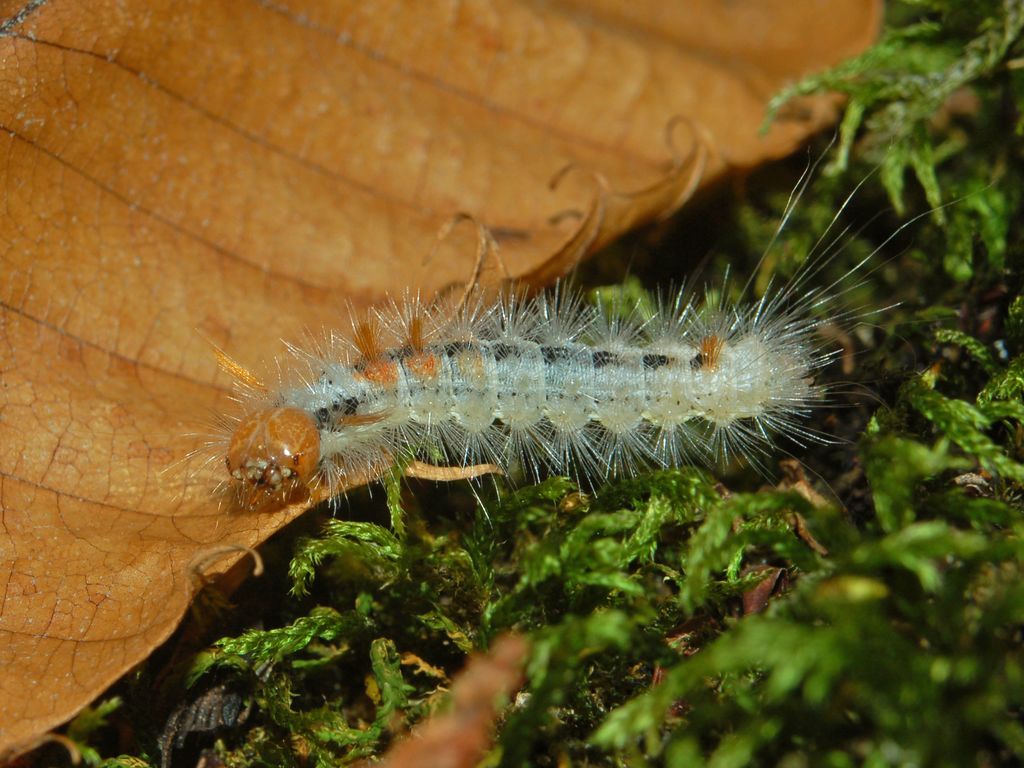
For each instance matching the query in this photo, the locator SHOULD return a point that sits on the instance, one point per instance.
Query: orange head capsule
(272, 454)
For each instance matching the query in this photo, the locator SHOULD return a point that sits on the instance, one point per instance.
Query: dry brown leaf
(180, 171)
(459, 738)
(773, 582)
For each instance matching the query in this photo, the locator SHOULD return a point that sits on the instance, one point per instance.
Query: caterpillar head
(273, 455)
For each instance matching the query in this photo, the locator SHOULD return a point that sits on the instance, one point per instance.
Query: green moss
(88, 721)
(934, 93)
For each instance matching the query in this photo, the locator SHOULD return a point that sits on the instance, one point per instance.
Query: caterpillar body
(548, 383)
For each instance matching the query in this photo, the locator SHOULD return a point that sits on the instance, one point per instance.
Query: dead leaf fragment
(177, 172)
(458, 739)
(774, 581)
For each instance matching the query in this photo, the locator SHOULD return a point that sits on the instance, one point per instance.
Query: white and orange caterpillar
(548, 384)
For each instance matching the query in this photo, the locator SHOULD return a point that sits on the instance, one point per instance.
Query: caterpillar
(549, 384)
